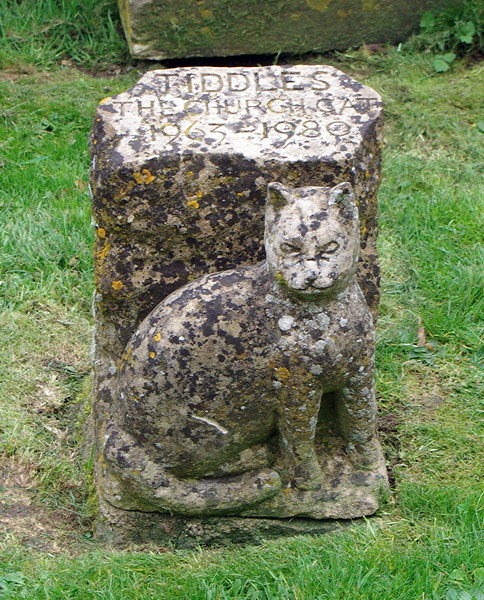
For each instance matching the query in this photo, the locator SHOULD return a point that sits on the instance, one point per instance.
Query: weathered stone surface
(158, 29)
(124, 528)
(250, 392)
(181, 164)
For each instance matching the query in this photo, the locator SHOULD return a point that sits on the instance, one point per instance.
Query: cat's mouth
(313, 290)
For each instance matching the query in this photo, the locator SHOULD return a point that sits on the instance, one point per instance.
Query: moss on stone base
(123, 528)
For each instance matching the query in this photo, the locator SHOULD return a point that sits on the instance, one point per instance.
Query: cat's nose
(312, 274)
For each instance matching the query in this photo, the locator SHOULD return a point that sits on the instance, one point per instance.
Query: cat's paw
(366, 456)
(307, 476)
(268, 482)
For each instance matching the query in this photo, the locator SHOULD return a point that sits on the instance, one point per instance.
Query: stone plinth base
(121, 528)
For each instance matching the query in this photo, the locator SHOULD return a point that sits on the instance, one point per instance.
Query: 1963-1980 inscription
(207, 108)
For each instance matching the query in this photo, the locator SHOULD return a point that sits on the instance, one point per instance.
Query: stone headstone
(160, 30)
(180, 170)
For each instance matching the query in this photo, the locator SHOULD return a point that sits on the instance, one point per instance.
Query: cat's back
(212, 299)
(200, 352)
(211, 320)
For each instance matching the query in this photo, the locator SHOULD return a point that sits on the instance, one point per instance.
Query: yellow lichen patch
(280, 277)
(143, 177)
(152, 354)
(344, 14)
(128, 355)
(157, 337)
(199, 194)
(320, 5)
(117, 285)
(241, 356)
(148, 176)
(194, 203)
(101, 232)
(124, 190)
(282, 373)
(105, 100)
(240, 194)
(370, 5)
(94, 142)
(103, 252)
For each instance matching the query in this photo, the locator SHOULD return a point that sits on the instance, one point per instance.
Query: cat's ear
(342, 198)
(278, 195)
(341, 194)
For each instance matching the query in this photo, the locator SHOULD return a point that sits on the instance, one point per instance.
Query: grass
(46, 238)
(46, 280)
(44, 32)
(411, 558)
(430, 550)
(426, 542)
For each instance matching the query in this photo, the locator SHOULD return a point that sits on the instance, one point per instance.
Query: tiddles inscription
(209, 109)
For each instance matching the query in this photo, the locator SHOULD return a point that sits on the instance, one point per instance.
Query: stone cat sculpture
(224, 390)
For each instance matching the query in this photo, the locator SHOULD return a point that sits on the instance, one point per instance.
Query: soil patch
(24, 520)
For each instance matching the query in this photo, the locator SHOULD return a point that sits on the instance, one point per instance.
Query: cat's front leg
(298, 417)
(357, 412)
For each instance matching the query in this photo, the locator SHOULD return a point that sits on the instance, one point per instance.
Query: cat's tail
(130, 480)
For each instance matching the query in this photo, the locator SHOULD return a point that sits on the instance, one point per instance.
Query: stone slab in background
(161, 29)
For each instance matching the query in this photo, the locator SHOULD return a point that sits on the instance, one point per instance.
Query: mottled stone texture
(180, 170)
(124, 528)
(250, 391)
(157, 29)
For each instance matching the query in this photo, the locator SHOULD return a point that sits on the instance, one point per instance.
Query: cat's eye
(288, 248)
(329, 248)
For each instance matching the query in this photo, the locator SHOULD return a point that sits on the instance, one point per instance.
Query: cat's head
(312, 238)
